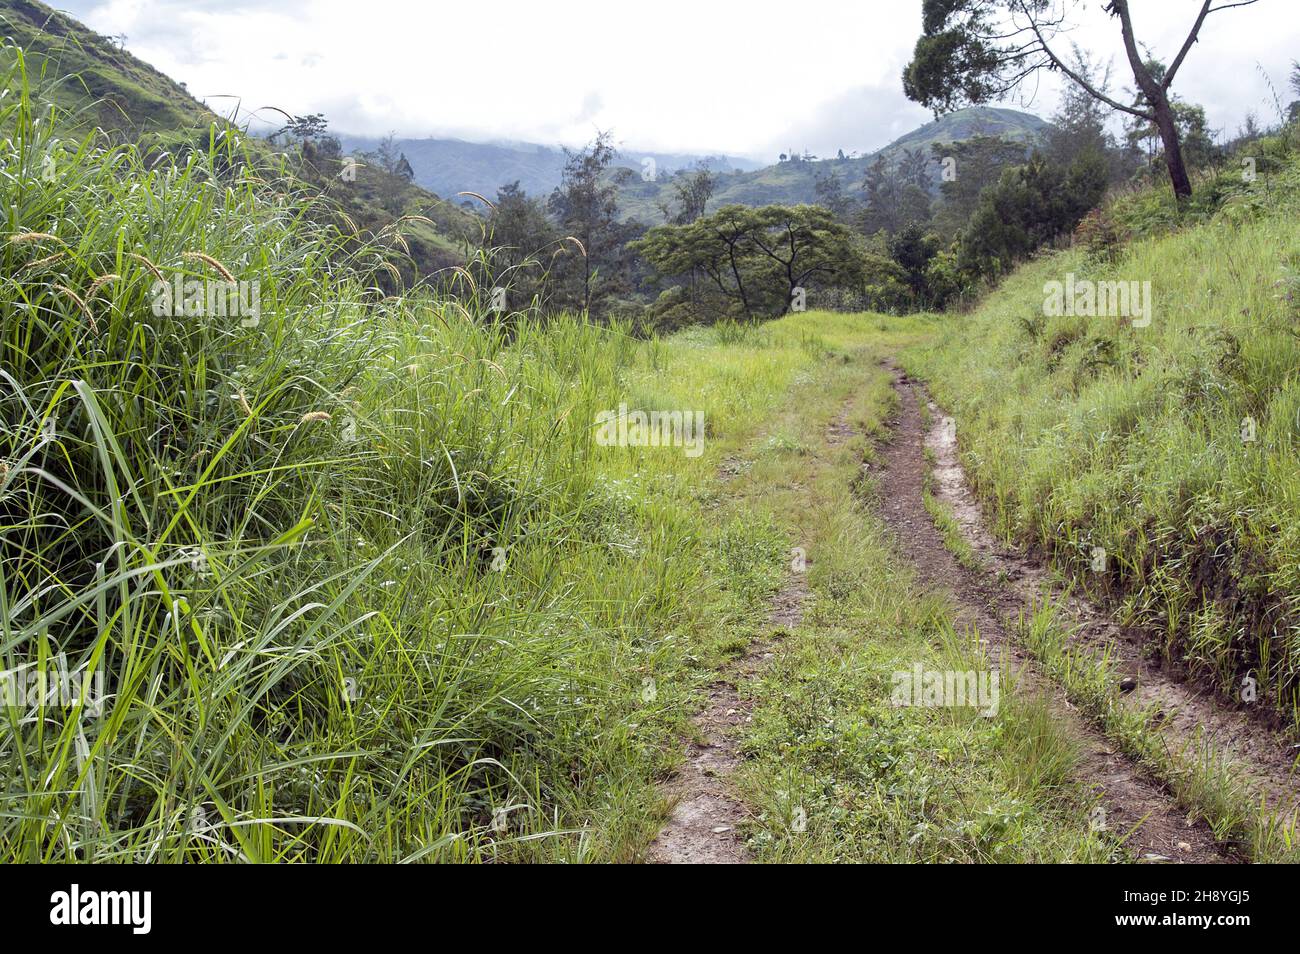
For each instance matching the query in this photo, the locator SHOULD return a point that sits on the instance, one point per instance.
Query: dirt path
(1133, 801)
(704, 825)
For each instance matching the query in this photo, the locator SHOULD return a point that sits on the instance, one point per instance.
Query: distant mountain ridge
(449, 166)
(795, 180)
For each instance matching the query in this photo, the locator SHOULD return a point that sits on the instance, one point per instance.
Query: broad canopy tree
(974, 51)
(757, 258)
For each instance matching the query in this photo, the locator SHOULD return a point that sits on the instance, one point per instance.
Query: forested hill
(449, 166)
(794, 178)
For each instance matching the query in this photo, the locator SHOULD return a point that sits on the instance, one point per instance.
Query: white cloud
(674, 75)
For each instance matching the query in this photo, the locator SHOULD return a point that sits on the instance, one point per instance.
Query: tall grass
(358, 582)
(1172, 447)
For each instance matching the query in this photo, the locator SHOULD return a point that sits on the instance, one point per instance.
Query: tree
(831, 194)
(1079, 124)
(894, 199)
(914, 169)
(881, 213)
(912, 249)
(391, 159)
(520, 235)
(805, 243)
(1293, 111)
(693, 190)
(1144, 137)
(1030, 206)
(304, 129)
(974, 51)
(586, 205)
(978, 163)
(756, 258)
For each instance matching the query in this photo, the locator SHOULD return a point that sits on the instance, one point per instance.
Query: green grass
(279, 542)
(1091, 432)
(835, 771)
(1206, 784)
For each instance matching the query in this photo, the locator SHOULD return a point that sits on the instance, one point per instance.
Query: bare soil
(704, 827)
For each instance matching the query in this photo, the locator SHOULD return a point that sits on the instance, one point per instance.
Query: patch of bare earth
(706, 816)
(1134, 802)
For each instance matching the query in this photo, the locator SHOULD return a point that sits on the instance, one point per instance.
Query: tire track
(703, 827)
(1134, 802)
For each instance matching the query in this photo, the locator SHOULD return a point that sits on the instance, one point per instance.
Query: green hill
(101, 85)
(795, 180)
(106, 85)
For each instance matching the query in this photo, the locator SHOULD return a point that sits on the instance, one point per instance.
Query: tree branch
(1194, 36)
(1187, 45)
(1146, 83)
(1059, 64)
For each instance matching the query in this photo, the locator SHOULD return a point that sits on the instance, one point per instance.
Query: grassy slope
(99, 85)
(121, 92)
(1089, 432)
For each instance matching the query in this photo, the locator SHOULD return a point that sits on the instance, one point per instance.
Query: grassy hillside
(108, 86)
(1171, 447)
(794, 182)
(99, 85)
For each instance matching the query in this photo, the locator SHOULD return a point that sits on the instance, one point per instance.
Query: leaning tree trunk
(1157, 96)
(1173, 149)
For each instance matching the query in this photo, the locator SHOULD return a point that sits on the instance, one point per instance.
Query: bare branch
(1187, 45)
(1058, 63)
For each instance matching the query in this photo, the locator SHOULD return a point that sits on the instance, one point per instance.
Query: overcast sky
(747, 78)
